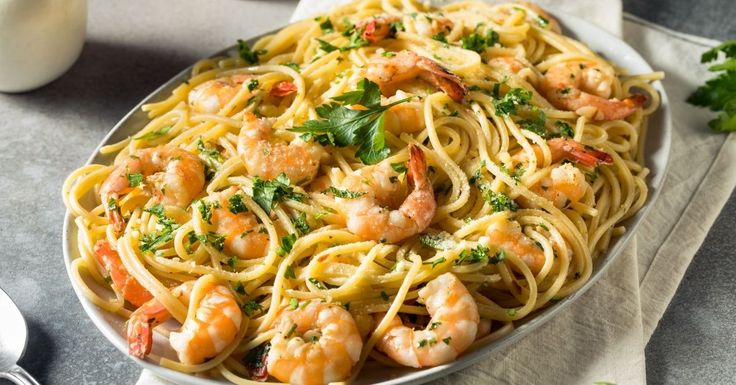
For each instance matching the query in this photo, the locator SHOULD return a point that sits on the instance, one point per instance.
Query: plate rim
(655, 184)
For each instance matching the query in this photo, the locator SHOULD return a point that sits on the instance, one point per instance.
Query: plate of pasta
(382, 194)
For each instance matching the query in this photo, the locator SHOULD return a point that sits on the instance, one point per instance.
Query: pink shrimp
(389, 72)
(131, 289)
(576, 84)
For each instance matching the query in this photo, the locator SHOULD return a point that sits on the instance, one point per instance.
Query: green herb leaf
(247, 54)
(235, 204)
(341, 126)
(289, 273)
(251, 307)
(499, 201)
(287, 243)
(316, 283)
(719, 93)
(384, 296)
(293, 303)
(440, 36)
(293, 66)
(135, 179)
(154, 134)
(438, 241)
(565, 129)
(253, 84)
(498, 258)
(514, 98)
(326, 26)
(477, 254)
(301, 224)
(478, 43)
(345, 194)
(267, 193)
(399, 167)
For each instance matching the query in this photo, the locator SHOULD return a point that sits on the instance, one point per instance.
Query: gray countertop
(134, 46)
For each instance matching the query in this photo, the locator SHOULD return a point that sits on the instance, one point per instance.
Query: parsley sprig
(341, 126)
(719, 93)
(269, 192)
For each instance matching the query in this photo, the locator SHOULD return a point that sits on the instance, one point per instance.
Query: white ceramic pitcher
(39, 41)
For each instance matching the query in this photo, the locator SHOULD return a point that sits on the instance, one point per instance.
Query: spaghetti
(530, 143)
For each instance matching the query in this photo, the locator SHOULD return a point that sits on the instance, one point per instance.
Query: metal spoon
(13, 338)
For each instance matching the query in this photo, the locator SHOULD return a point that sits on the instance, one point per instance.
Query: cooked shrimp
(563, 148)
(404, 117)
(316, 343)
(130, 288)
(566, 184)
(240, 228)
(171, 175)
(148, 316)
(210, 327)
(283, 88)
(299, 160)
(576, 84)
(378, 27)
(367, 215)
(210, 96)
(505, 234)
(450, 332)
(389, 72)
(506, 64)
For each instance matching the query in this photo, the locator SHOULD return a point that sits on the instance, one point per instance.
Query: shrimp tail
(417, 167)
(140, 339)
(577, 152)
(443, 79)
(130, 288)
(420, 204)
(283, 88)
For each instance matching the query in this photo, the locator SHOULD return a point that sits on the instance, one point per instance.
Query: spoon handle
(19, 376)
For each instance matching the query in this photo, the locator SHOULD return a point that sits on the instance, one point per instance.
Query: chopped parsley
(289, 273)
(345, 194)
(301, 224)
(205, 210)
(340, 126)
(154, 239)
(399, 167)
(438, 241)
(287, 243)
(435, 262)
(478, 43)
(425, 342)
(511, 312)
(514, 98)
(134, 179)
(565, 129)
(235, 204)
(316, 283)
(239, 288)
(267, 193)
(293, 66)
(498, 258)
(440, 36)
(251, 307)
(447, 340)
(542, 21)
(154, 134)
(434, 325)
(477, 254)
(384, 296)
(499, 201)
(253, 84)
(112, 204)
(293, 303)
(326, 26)
(249, 55)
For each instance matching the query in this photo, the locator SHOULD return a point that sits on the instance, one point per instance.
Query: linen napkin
(601, 337)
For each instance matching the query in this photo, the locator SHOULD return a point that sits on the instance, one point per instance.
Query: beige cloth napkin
(602, 336)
